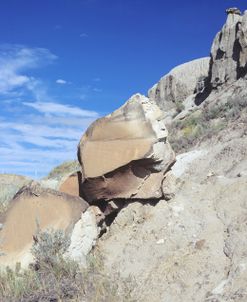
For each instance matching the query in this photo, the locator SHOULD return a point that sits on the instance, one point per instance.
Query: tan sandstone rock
(34, 207)
(126, 153)
(71, 184)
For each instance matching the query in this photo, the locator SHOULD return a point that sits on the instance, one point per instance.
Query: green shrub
(49, 247)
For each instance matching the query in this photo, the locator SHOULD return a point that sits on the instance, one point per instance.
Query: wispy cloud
(83, 35)
(61, 81)
(60, 109)
(36, 131)
(97, 79)
(15, 60)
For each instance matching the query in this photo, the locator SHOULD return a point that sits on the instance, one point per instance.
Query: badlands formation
(175, 225)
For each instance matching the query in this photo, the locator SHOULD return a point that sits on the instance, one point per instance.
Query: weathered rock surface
(178, 84)
(84, 235)
(126, 154)
(229, 50)
(35, 206)
(71, 184)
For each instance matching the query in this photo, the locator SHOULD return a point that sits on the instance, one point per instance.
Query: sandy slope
(194, 247)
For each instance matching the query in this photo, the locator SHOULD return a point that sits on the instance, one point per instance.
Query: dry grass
(205, 123)
(52, 278)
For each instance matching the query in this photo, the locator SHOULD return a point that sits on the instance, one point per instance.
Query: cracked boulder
(33, 208)
(125, 155)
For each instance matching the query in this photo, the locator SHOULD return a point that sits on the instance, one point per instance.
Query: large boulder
(229, 50)
(35, 208)
(126, 154)
(179, 83)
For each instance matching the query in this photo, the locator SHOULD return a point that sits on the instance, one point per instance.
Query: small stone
(160, 241)
(200, 244)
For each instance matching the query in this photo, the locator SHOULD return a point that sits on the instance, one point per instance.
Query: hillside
(159, 198)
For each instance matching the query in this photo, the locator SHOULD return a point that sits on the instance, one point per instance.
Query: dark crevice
(220, 36)
(122, 203)
(202, 95)
(236, 50)
(241, 71)
(111, 217)
(220, 54)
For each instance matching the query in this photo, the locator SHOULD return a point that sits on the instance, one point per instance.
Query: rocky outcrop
(193, 248)
(35, 207)
(126, 154)
(229, 50)
(178, 84)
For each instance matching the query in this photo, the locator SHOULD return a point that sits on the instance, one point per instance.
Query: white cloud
(61, 81)
(15, 60)
(60, 109)
(97, 89)
(39, 142)
(48, 134)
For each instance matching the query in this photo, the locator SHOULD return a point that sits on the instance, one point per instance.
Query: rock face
(126, 154)
(71, 184)
(35, 206)
(229, 50)
(179, 83)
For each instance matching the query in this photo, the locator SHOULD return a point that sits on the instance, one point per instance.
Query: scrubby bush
(179, 106)
(52, 278)
(49, 247)
(205, 123)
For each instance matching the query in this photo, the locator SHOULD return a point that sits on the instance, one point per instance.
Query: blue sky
(64, 63)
